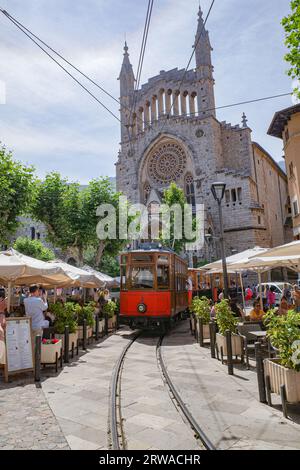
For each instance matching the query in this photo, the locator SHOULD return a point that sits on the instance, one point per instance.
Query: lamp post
(218, 191)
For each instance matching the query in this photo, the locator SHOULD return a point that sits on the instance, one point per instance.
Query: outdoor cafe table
(259, 335)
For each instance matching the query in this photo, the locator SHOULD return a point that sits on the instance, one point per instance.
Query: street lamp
(218, 191)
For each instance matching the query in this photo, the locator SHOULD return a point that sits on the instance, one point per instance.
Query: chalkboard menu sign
(19, 346)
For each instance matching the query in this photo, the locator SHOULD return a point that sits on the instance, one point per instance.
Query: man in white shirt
(35, 306)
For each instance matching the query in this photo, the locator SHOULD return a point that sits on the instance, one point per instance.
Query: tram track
(117, 435)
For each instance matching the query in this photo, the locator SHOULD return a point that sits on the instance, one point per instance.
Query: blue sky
(50, 122)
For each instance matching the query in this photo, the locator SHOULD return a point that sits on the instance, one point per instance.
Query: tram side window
(142, 277)
(163, 272)
(123, 278)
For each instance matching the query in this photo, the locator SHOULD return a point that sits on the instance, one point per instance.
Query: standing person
(35, 306)
(249, 294)
(296, 297)
(189, 287)
(2, 327)
(284, 306)
(271, 298)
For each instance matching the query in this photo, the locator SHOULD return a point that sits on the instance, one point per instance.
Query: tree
(33, 248)
(70, 215)
(291, 24)
(17, 184)
(173, 196)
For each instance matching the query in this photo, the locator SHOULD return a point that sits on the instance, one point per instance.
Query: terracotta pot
(48, 352)
(280, 375)
(73, 337)
(236, 344)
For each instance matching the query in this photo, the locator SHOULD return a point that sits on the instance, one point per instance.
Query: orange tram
(153, 291)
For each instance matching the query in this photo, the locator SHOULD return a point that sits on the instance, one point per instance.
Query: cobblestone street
(26, 419)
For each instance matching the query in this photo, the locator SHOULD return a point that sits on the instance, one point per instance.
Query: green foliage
(110, 308)
(85, 313)
(65, 315)
(70, 215)
(17, 185)
(291, 25)
(174, 196)
(33, 248)
(225, 318)
(201, 308)
(283, 331)
(108, 265)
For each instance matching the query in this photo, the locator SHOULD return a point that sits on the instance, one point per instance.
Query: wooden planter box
(73, 338)
(236, 344)
(89, 332)
(51, 352)
(206, 334)
(112, 322)
(280, 375)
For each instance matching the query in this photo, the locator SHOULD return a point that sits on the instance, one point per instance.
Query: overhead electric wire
(142, 56)
(24, 30)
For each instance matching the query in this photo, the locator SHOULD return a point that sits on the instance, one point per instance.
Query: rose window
(167, 163)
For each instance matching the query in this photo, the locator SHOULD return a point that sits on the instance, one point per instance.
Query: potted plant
(201, 308)
(227, 321)
(51, 352)
(65, 316)
(283, 373)
(109, 309)
(85, 312)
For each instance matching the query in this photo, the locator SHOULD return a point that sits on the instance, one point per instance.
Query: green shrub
(283, 331)
(85, 313)
(110, 308)
(65, 315)
(225, 318)
(201, 308)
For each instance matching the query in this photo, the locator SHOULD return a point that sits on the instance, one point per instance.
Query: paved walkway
(26, 420)
(227, 406)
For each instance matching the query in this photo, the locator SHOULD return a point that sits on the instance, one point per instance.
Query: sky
(49, 121)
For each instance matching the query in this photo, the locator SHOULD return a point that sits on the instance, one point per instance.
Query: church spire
(126, 70)
(202, 43)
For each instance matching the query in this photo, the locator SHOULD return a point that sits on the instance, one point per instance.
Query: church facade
(170, 133)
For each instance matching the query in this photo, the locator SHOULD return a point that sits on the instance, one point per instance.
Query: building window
(233, 195)
(147, 191)
(295, 208)
(287, 135)
(190, 190)
(32, 229)
(239, 193)
(259, 220)
(227, 196)
(38, 236)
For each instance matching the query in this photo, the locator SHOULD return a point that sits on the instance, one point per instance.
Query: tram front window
(142, 278)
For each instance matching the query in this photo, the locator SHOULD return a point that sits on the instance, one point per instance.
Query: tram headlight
(142, 308)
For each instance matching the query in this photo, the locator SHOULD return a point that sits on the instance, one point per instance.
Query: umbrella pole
(260, 290)
(9, 297)
(243, 294)
(55, 294)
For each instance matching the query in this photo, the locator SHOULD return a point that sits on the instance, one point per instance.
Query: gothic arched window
(190, 190)
(147, 191)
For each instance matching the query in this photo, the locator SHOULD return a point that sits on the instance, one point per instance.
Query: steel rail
(193, 423)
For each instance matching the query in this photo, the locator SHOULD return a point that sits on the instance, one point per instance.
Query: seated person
(284, 306)
(235, 308)
(257, 313)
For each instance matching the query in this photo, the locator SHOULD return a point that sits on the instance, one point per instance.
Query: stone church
(170, 132)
